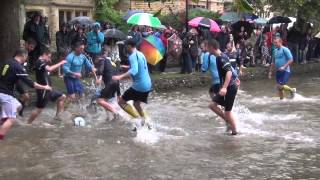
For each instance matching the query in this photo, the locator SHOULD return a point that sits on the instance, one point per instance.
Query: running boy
(228, 89)
(42, 70)
(10, 72)
(141, 86)
(282, 61)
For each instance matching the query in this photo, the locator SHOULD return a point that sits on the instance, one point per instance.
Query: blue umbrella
(230, 17)
(130, 13)
(261, 21)
(249, 16)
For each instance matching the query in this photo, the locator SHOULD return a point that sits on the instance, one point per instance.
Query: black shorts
(134, 95)
(20, 87)
(214, 89)
(110, 90)
(43, 97)
(228, 100)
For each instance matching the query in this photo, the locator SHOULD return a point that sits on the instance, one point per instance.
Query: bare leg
(107, 106)
(229, 116)
(214, 107)
(60, 104)
(6, 126)
(137, 105)
(34, 115)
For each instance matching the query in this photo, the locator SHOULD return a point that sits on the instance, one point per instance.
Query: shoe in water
(234, 133)
(293, 92)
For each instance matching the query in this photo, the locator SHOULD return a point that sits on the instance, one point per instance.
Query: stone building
(177, 5)
(57, 11)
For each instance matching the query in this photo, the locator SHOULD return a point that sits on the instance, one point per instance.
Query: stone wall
(51, 10)
(9, 24)
(175, 5)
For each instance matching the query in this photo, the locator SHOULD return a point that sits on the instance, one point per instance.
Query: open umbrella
(249, 16)
(174, 46)
(204, 22)
(153, 49)
(247, 27)
(82, 20)
(130, 13)
(144, 19)
(230, 17)
(115, 34)
(279, 19)
(261, 21)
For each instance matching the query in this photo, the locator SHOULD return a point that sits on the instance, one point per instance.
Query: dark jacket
(63, 41)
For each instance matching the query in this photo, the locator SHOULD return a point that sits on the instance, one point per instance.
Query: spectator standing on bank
(79, 36)
(223, 38)
(63, 39)
(95, 38)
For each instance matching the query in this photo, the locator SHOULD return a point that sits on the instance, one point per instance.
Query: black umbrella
(279, 19)
(236, 27)
(115, 34)
(82, 20)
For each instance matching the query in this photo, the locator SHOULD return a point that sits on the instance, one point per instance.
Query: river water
(277, 140)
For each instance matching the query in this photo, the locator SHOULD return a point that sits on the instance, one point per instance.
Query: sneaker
(293, 92)
(234, 133)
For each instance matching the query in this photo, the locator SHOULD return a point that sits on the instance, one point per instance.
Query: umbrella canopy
(82, 20)
(115, 34)
(279, 19)
(130, 13)
(144, 19)
(204, 22)
(230, 17)
(249, 16)
(153, 49)
(318, 35)
(174, 46)
(261, 21)
(247, 27)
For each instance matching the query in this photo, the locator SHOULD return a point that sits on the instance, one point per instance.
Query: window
(69, 16)
(77, 13)
(84, 13)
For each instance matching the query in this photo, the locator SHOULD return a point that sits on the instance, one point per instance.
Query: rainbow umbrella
(153, 49)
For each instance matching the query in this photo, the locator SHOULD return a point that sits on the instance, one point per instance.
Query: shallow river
(277, 140)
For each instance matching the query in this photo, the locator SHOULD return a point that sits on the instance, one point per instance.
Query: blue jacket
(94, 42)
(210, 64)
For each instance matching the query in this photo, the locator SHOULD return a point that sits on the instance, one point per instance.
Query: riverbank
(174, 80)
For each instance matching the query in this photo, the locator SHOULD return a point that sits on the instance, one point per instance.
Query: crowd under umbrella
(247, 27)
(279, 19)
(144, 19)
(130, 13)
(204, 22)
(114, 34)
(82, 20)
(153, 49)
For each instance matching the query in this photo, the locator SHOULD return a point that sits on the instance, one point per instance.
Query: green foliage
(198, 12)
(304, 10)
(105, 11)
(177, 20)
(243, 6)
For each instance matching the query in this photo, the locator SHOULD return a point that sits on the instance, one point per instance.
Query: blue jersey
(281, 57)
(139, 72)
(74, 63)
(210, 63)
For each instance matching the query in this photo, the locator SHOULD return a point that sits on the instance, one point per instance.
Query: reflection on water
(277, 140)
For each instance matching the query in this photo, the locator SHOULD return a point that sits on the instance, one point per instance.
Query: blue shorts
(282, 77)
(73, 85)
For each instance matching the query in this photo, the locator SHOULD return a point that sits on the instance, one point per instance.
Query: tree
(304, 10)
(106, 11)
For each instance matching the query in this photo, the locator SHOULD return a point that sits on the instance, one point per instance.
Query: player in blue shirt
(282, 61)
(72, 71)
(141, 85)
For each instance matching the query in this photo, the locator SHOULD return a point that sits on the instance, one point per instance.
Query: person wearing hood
(95, 39)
